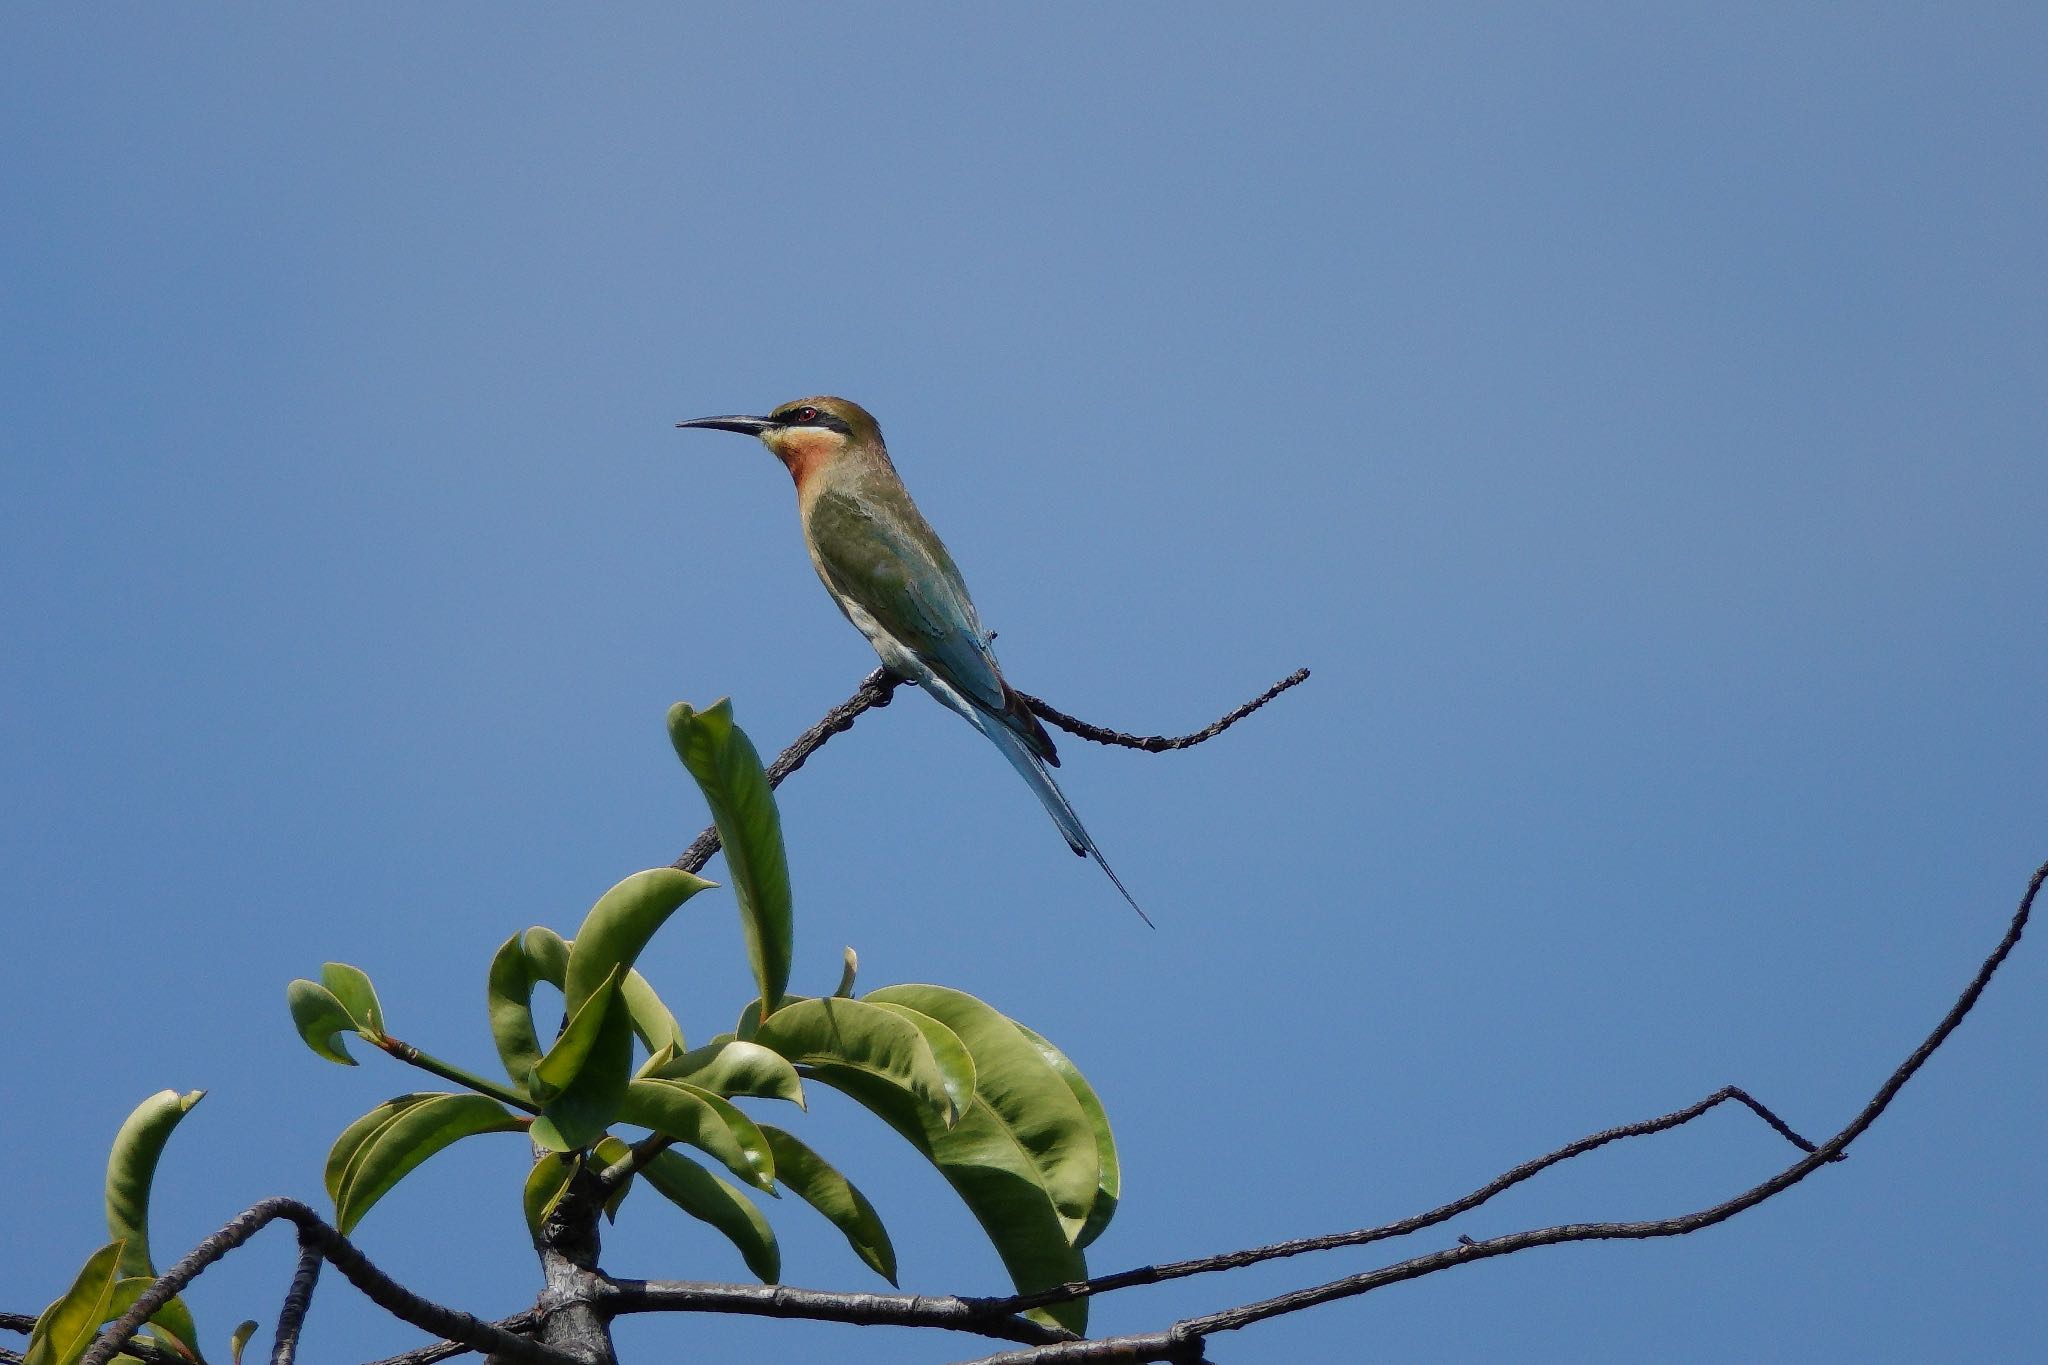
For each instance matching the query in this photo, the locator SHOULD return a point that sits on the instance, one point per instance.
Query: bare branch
(1173, 1344)
(519, 1324)
(378, 1287)
(875, 690)
(292, 1317)
(786, 1301)
(1507, 1180)
(880, 686)
(1159, 744)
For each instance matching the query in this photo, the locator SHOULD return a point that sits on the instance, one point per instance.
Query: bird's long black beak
(745, 426)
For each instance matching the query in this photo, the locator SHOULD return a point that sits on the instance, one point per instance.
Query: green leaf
(348, 1148)
(994, 1176)
(705, 1196)
(609, 1152)
(619, 926)
(705, 1121)
(652, 1019)
(511, 1004)
(956, 1064)
(1109, 1179)
(832, 1194)
(553, 1073)
(351, 986)
(1025, 1093)
(547, 955)
(240, 1340)
(131, 1171)
(67, 1327)
(411, 1135)
(865, 1038)
(722, 759)
(321, 1019)
(588, 1105)
(727, 1066)
(546, 1183)
(547, 959)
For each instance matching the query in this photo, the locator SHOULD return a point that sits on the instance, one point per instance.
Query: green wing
(879, 554)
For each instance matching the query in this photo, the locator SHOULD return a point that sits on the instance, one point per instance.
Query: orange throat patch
(804, 452)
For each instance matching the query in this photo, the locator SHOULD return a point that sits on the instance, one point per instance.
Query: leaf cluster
(616, 1096)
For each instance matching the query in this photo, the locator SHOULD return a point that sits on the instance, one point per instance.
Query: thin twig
(378, 1287)
(875, 690)
(815, 1305)
(1159, 744)
(1173, 1343)
(292, 1317)
(635, 1160)
(519, 1324)
(880, 686)
(1507, 1180)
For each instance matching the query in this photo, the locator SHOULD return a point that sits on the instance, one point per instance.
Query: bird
(892, 577)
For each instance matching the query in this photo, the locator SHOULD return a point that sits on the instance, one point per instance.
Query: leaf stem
(412, 1056)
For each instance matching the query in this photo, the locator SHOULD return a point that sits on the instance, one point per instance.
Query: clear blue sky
(1633, 418)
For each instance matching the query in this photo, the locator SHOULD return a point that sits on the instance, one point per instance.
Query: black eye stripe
(807, 416)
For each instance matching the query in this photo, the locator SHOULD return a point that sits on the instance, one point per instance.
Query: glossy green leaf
(652, 1018)
(619, 926)
(818, 1184)
(1025, 1093)
(239, 1342)
(67, 1327)
(321, 1019)
(956, 1064)
(609, 1152)
(547, 955)
(995, 1178)
(546, 1183)
(547, 959)
(727, 1066)
(865, 1038)
(131, 1170)
(511, 1004)
(705, 1121)
(348, 1148)
(589, 1104)
(558, 1067)
(1109, 1178)
(413, 1134)
(705, 1196)
(722, 759)
(351, 986)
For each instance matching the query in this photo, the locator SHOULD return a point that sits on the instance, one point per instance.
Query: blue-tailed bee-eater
(891, 575)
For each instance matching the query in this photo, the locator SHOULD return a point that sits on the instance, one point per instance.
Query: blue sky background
(1632, 416)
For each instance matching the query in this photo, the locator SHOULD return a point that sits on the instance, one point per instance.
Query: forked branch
(1187, 1335)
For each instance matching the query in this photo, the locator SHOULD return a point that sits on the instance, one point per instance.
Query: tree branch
(1175, 1343)
(1507, 1180)
(378, 1287)
(879, 687)
(1159, 744)
(292, 1317)
(816, 1305)
(876, 689)
(519, 1324)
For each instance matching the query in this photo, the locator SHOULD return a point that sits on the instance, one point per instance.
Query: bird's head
(806, 434)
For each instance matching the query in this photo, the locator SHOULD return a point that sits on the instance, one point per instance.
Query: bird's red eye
(806, 414)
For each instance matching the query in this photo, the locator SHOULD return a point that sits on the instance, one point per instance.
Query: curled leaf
(321, 1019)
